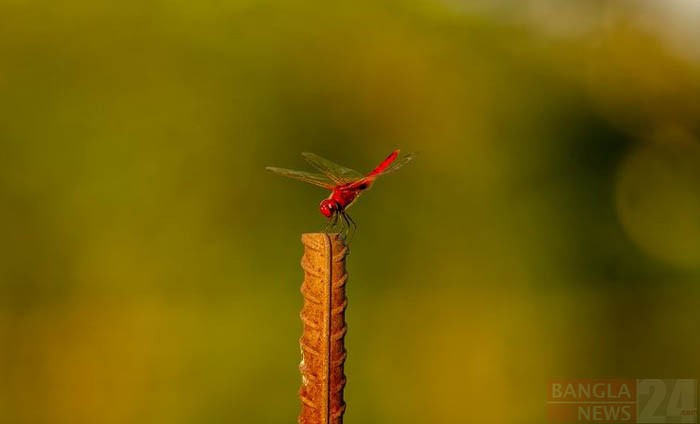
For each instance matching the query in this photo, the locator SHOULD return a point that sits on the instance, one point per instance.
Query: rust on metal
(323, 317)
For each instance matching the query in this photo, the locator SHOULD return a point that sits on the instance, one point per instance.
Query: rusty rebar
(323, 339)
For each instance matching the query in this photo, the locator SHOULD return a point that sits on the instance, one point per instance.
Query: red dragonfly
(345, 184)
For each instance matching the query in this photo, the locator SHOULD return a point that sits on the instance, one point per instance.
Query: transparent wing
(339, 174)
(366, 182)
(308, 177)
(398, 163)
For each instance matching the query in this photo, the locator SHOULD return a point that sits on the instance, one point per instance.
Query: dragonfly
(345, 184)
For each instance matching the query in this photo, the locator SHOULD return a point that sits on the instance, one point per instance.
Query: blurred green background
(149, 267)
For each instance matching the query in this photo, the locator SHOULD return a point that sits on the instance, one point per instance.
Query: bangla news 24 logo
(622, 401)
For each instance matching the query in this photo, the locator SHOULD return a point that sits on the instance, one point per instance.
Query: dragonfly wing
(398, 163)
(366, 182)
(308, 177)
(338, 173)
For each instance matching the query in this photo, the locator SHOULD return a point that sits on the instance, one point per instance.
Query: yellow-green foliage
(149, 267)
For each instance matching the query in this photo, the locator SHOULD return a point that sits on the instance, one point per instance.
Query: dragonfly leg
(345, 224)
(342, 223)
(331, 223)
(351, 226)
(352, 221)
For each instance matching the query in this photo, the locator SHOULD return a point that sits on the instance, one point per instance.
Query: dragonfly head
(329, 207)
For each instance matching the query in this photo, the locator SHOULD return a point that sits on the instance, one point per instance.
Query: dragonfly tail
(385, 164)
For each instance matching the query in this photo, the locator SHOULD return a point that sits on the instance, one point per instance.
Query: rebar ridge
(323, 316)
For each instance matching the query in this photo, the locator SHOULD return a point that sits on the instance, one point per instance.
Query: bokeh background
(149, 267)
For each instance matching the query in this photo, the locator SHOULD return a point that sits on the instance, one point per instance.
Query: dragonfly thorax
(329, 207)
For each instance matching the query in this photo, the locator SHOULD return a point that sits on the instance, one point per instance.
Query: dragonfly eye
(327, 208)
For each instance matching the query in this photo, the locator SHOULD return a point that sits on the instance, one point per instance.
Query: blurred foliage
(150, 267)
